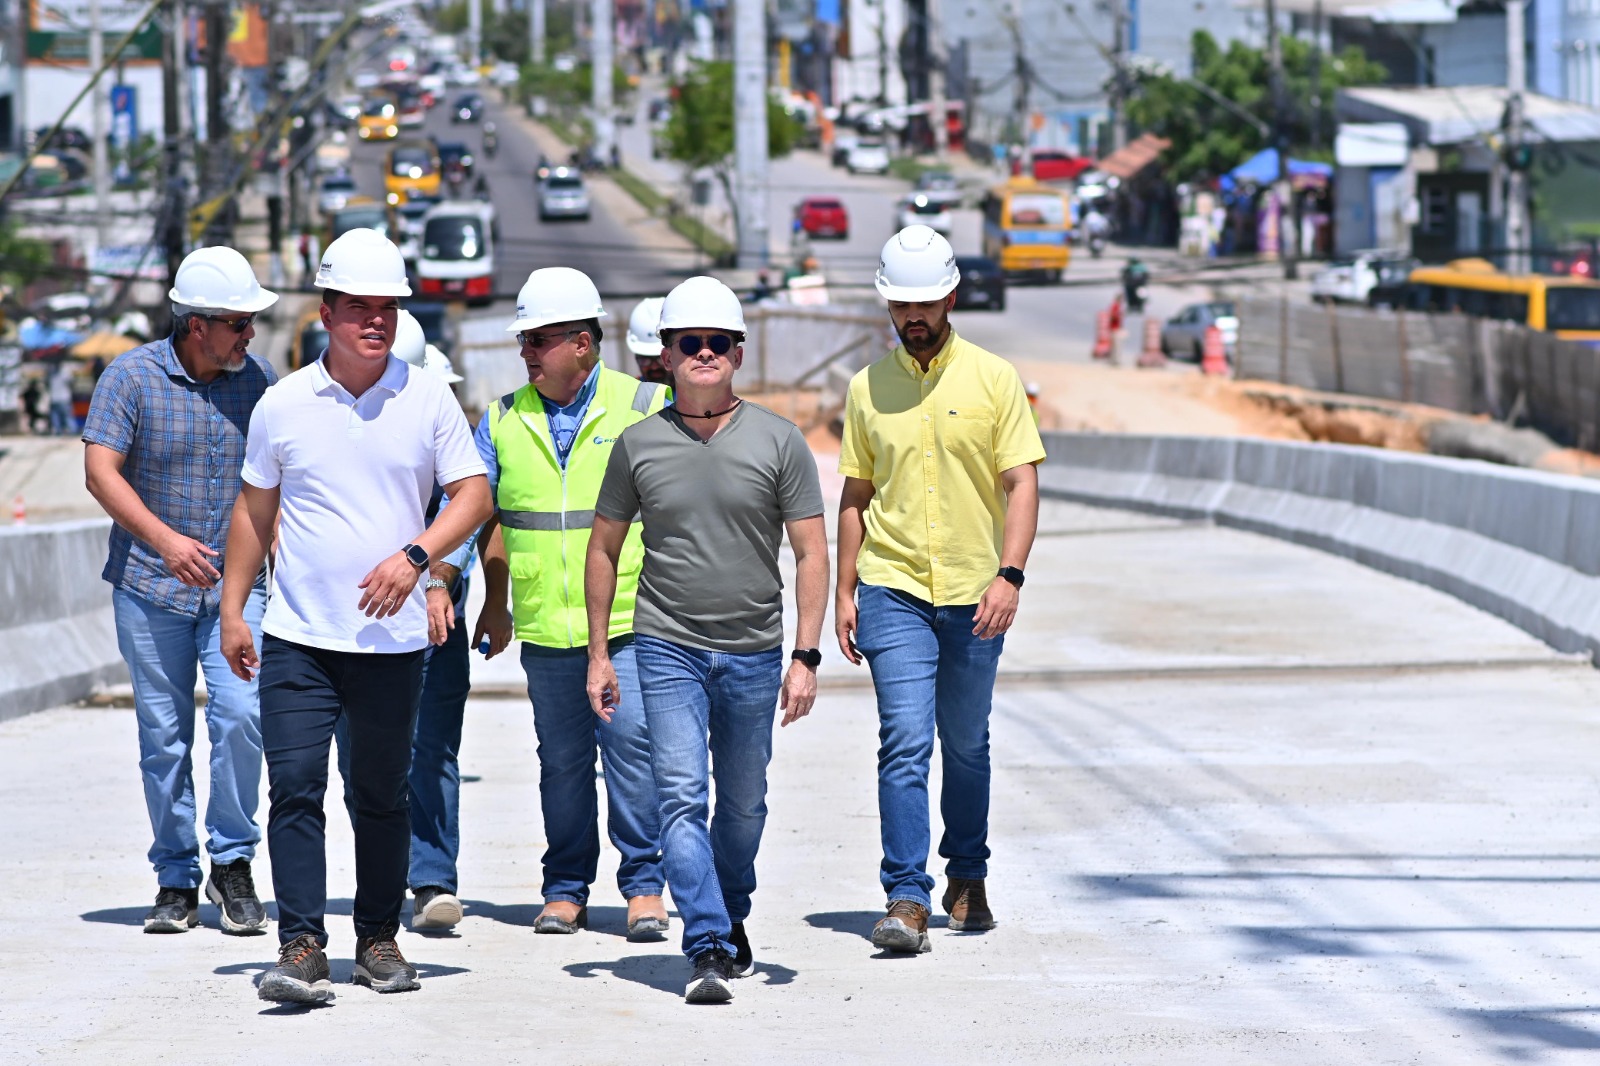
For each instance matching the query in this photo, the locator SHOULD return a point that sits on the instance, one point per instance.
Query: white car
(1376, 277)
(336, 192)
(456, 257)
(562, 195)
(922, 209)
(868, 157)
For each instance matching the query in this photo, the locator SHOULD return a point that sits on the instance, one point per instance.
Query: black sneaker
(177, 910)
(301, 975)
(713, 974)
(744, 960)
(380, 966)
(233, 890)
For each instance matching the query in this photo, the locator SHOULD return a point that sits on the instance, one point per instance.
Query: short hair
(330, 299)
(183, 323)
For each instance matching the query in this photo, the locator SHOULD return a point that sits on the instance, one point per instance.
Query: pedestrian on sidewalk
(346, 451)
(937, 516)
(716, 481)
(61, 420)
(163, 445)
(546, 446)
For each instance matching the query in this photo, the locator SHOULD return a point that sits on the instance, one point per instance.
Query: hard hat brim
(918, 294)
(264, 299)
(644, 348)
(375, 288)
(535, 321)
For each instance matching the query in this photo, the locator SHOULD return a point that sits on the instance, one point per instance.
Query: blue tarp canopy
(1262, 169)
(35, 334)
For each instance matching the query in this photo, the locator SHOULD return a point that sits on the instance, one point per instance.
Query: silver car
(336, 191)
(562, 195)
(1184, 334)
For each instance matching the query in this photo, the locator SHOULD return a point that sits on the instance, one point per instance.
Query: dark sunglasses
(539, 340)
(691, 344)
(238, 325)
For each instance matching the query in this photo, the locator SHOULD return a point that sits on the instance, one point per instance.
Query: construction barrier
(1152, 357)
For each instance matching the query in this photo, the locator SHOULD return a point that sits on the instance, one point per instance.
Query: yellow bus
(1568, 307)
(1026, 227)
(413, 167)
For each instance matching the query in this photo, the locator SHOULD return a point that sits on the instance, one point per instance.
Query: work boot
(556, 921)
(713, 972)
(967, 904)
(380, 966)
(744, 960)
(301, 975)
(233, 890)
(647, 918)
(435, 908)
(177, 910)
(903, 928)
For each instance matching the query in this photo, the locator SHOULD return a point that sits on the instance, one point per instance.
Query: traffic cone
(1213, 356)
(1102, 335)
(1152, 357)
(19, 511)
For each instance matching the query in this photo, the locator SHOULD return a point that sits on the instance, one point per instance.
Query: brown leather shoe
(967, 904)
(904, 928)
(561, 916)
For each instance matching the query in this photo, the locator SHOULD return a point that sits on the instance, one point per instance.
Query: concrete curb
(56, 620)
(1516, 543)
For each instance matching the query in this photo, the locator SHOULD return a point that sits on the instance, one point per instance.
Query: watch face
(418, 555)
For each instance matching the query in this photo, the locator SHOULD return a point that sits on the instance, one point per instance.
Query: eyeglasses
(539, 340)
(691, 344)
(238, 325)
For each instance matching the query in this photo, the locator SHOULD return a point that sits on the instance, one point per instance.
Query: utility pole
(750, 130)
(100, 163)
(172, 126)
(1288, 232)
(1024, 79)
(18, 46)
(939, 117)
(883, 53)
(216, 169)
(475, 33)
(1119, 77)
(1316, 75)
(536, 31)
(1517, 235)
(600, 51)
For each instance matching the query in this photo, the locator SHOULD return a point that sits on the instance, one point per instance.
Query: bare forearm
(248, 537)
(1022, 521)
(852, 531)
(443, 571)
(600, 592)
(811, 597)
(496, 566)
(112, 491)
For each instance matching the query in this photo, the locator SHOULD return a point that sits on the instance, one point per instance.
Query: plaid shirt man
(184, 443)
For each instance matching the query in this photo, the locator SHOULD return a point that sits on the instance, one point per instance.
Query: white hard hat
(409, 343)
(643, 337)
(218, 279)
(363, 262)
(701, 303)
(916, 265)
(556, 294)
(436, 362)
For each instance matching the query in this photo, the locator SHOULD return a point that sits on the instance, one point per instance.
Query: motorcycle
(1097, 244)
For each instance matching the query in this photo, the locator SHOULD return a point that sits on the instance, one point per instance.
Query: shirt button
(930, 454)
(930, 488)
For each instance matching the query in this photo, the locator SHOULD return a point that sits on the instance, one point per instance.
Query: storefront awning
(1134, 156)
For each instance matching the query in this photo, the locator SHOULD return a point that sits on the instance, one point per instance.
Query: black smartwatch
(416, 555)
(811, 657)
(1013, 575)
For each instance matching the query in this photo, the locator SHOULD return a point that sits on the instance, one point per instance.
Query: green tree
(1209, 137)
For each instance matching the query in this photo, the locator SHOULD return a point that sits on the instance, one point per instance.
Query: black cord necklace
(711, 414)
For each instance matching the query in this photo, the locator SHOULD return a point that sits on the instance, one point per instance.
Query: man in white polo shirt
(346, 453)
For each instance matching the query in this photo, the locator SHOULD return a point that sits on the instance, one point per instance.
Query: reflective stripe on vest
(547, 521)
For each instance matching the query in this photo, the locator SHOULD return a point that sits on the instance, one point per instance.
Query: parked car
(982, 284)
(1376, 278)
(336, 191)
(868, 157)
(1184, 334)
(923, 210)
(468, 108)
(1052, 165)
(562, 195)
(823, 216)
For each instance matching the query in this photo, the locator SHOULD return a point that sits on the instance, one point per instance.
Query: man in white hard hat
(940, 502)
(546, 446)
(645, 343)
(346, 451)
(717, 481)
(164, 442)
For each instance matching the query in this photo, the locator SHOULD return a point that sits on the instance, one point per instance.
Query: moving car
(1184, 334)
(405, 223)
(922, 210)
(823, 216)
(468, 108)
(348, 108)
(380, 120)
(843, 141)
(455, 160)
(456, 258)
(982, 284)
(413, 167)
(367, 214)
(1052, 165)
(938, 185)
(336, 191)
(1026, 226)
(562, 195)
(1376, 278)
(413, 112)
(868, 157)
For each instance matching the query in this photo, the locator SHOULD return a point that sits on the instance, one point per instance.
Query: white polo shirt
(355, 475)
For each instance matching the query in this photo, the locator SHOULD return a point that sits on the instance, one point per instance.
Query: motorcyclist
(491, 139)
(1097, 230)
(1135, 276)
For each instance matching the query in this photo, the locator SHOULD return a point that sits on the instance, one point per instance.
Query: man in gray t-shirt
(715, 482)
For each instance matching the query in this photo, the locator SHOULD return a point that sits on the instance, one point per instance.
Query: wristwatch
(1013, 575)
(435, 583)
(811, 657)
(416, 555)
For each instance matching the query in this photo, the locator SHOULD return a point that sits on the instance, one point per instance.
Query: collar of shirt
(170, 361)
(579, 402)
(391, 381)
(937, 365)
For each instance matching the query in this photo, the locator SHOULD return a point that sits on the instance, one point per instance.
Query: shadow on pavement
(860, 923)
(1536, 1025)
(610, 921)
(665, 973)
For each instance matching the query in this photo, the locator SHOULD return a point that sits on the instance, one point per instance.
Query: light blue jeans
(164, 650)
(688, 695)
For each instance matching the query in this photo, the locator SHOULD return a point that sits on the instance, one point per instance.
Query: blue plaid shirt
(184, 445)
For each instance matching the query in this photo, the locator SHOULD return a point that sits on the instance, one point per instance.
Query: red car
(821, 216)
(1051, 165)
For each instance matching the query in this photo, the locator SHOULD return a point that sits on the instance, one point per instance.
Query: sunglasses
(539, 340)
(238, 325)
(691, 344)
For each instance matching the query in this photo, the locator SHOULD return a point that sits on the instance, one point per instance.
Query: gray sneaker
(177, 910)
(380, 966)
(301, 975)
(233, 890)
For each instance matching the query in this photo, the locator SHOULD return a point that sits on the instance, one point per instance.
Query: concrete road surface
(1251, 804)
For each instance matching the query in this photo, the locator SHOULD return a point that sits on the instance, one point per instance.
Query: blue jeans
(569, 732)
(164, 649)
(710, 861)
(929, 672)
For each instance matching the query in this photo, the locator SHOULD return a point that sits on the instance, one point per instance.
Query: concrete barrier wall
(57, 637)
(1517, 543)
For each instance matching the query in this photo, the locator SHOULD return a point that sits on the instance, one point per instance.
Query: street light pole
(1288, 232)
(1517, 236)
(99, 160)
(750, 129)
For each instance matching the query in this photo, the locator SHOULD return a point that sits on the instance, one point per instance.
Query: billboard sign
(124, 128)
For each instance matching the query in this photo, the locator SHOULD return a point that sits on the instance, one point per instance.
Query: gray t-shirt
(713, 514)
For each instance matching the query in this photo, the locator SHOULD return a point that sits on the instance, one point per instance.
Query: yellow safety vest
(546, 512)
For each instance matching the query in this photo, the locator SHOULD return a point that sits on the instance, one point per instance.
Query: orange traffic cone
(19, 511)
(1213, 356)
(1102, 335)
(1152, 357)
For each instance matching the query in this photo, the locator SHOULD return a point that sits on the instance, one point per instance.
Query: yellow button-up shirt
(933, 445)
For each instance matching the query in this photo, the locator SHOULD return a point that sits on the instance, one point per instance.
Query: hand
(996, 610)
(604, 692)
(388, 586)
(441, 616)
(187, 559)
(494, 621)
(238, 646)
(844, 624)
(799, 692)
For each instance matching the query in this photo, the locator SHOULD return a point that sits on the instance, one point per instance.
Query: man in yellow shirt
(940, 503)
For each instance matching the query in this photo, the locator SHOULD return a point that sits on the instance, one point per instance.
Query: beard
(930, 341)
